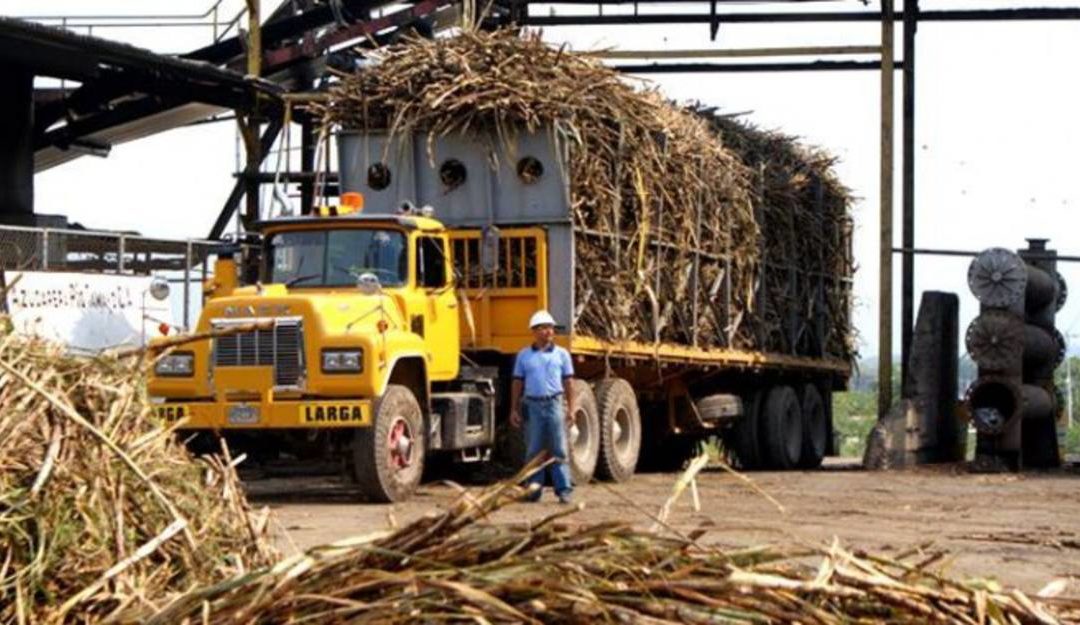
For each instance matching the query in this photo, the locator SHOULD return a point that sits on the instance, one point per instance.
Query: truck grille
(280, 347)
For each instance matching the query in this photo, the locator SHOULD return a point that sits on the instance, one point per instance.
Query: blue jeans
(545, 429)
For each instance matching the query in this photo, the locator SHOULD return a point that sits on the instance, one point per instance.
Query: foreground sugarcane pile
(454, 568)
(668, 247)
(103, 518)
(100, 508)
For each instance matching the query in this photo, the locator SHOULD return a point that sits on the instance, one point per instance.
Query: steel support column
(17, 146)
(307, 163)
(907, 267)
(253, 158)
(885, 303)
(250, 127)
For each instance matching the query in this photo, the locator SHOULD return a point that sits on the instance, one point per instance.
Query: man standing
(542, 382)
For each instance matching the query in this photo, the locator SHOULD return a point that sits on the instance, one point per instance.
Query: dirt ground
(1023, 530)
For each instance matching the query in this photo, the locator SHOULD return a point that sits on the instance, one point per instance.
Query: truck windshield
(337, 257)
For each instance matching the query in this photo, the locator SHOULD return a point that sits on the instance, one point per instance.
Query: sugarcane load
(698, 272)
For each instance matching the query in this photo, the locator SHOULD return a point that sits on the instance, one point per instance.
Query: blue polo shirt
(543, 370)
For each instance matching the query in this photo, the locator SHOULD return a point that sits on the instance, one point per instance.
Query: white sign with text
(88, 312)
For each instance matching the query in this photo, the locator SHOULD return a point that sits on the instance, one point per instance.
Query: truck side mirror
(489, 249)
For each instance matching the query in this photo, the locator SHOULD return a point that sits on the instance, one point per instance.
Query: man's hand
(516, 388)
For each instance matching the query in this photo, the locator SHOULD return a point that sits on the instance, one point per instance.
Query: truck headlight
(342, 360)
(175, 365)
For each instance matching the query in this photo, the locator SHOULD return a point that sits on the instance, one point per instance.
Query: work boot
(564, 498)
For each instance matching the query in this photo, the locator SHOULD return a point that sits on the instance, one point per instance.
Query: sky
(996, 135)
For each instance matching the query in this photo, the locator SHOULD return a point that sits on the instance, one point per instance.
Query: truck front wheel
(386, 460)
(620, 429)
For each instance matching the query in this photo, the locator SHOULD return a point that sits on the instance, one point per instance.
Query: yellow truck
(379, 335)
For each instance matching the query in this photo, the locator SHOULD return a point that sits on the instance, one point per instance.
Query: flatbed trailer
(684, 393)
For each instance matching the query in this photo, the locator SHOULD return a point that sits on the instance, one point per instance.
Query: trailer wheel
(781, 428)
(743, 437)
(386, 460)
(620, 429)
(583, 433)
(815, 435)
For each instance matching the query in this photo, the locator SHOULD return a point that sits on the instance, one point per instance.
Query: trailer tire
(781, 428)
(815, 435)
(620, 429)
(583, 443)
(743, 437)
(386, 459)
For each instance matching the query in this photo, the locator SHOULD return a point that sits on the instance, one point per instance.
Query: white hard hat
(540, 318)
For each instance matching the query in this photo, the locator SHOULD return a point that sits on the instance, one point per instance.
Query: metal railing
(215, 18)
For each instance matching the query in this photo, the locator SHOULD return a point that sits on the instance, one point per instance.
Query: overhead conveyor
(122, 92)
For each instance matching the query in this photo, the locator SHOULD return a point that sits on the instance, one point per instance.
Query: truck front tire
(583, 433)
(386, 460)
(620, 429)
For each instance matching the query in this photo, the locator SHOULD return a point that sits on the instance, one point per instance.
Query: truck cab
(345, 348)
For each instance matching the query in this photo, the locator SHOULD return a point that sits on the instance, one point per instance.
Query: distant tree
(1070, 368)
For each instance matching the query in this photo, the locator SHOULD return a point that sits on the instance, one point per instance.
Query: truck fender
(422, 391)
(390, 366)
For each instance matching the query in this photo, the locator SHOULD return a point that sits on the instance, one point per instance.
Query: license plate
(243, 414)
(171, 412)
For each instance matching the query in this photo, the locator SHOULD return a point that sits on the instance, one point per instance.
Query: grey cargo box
(472, 181)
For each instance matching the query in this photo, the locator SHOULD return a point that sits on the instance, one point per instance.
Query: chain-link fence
(184, 263)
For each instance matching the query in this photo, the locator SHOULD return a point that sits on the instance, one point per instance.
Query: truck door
(439, 324)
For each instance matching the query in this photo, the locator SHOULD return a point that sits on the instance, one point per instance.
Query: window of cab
(337, 257)
(431, 262)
